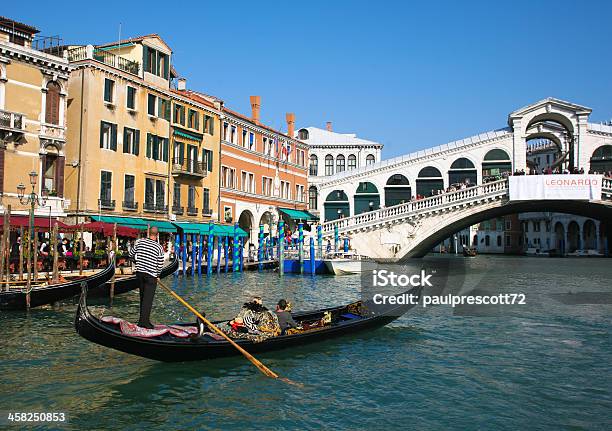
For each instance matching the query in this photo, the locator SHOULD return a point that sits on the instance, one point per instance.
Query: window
(329, 165)
(208, 125)
(233, 134)
(508, 224)
(227, 214)
(156, 62)
(228, 177)
(302, 134)
(191, 197)
(300, 157)
(163, 109)
(244, 138)
(149, 193)
(131, 141)
(176, 197)
(508, 240)
(340, 163)
(266, 186)
(225, 132)
(157, 147)
(487, 240)
(50, 173)
(206, 201)
(370, 159)
(499, 240)
(247, 182)
(207, 159)
(352, 161)
(179, 114)
(312, 197)
(52, 103)
(109, 90)
(251, 141)
(128, 189)
(106, 183)
(160, 195)
(192, 158)
(299, 193)
(194, 120)
(131, 98)
(285, 190)
(155, 197)
(536, 226)
(151, 104)
(268, 149)
(179, 153)
(108, 136)
(314, 165)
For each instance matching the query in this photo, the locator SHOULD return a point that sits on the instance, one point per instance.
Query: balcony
(192, 211)
(130, 206)
(106, 204)
(207, 212)
(12, 127)
(53, 131)
(188, 168)
(153, 207)
(103, 56)
(178, 210)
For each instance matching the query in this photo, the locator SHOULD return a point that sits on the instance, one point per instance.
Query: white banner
(555, 187)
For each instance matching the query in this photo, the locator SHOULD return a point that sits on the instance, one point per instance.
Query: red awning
(107, 229)
(40, 223)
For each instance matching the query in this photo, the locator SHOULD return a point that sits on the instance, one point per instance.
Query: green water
(546, 365)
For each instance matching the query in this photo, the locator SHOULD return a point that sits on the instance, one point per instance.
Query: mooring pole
(320, 240)
(184, 254)
(260, 248)
(241, 254)
(226, 252)
(55, 276)
(198, 241)
(336, 238)
(312, 256)
(21, 254)
(81, 250)
(301, 246)
(281, 248)
(236, 254)
(177, 249)
(219, 245)
(209, 248)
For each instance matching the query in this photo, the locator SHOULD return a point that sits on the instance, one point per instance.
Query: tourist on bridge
(149, 257)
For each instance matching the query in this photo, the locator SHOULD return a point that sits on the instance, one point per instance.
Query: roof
(552, 101)
(250, 120)
(318, 136)
(135, 39)
(4, 21)
(195, 96)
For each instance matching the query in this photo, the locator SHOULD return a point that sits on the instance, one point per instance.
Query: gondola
(15, 297)
(127, 283)
(170, 348)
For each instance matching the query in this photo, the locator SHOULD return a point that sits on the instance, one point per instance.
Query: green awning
(189, 135)
(203, 228)
(137, 223)
(298, 214)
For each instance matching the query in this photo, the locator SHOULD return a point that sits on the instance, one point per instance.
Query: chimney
(290, 116)
(328, 126)
(181, 84)
(255, 105)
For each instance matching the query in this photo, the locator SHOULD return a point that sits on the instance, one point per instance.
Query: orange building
(263, 175)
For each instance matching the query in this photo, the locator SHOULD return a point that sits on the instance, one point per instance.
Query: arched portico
(336, 205)
(366, 198)
(429, 181)
(397, 190)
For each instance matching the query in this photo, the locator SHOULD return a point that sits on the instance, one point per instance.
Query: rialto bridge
(378, 200)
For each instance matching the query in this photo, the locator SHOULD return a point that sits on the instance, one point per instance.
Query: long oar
(265, 370)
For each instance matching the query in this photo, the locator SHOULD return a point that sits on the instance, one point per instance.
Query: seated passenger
(250, 316)
(285, 320)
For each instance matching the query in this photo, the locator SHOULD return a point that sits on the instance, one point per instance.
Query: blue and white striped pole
(320, 240)
(199, 245)
(346, 244)
(193, 254)
(281, 248)
(177, 249)
(226, 252)
(209, 248)
(219, 240)
(241, 242)
(301, 246)
(184, 253)
(336, 238)
(236, 256)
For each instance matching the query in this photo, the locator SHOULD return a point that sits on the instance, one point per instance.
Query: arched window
(495, 164)
(302, 134)
(487, 240)
(370, 159)
(314, 165)
(340, 163)
(52, 103)
(352, 161)
(329, 165)
(312, 197)
(601, 160)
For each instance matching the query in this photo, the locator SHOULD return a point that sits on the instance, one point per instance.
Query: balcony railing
(107, 204)
(155, 207)
(188, 167)
(11, 120)
(192, 211)
(103, 56)
(178, 210)
(130, 206)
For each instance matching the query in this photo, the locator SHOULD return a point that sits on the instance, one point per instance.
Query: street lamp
(32, 199)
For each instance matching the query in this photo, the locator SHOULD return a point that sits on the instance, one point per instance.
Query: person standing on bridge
(149, 257)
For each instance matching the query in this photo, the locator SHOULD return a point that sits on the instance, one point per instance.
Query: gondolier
(149, 257)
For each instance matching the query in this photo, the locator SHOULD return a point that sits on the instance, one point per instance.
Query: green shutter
(160, 107)
(149, 145)
(114, 137)
(167, 67)
(210, 160)
(166, 149)
(101, 134)
(125, 146)
(145, 59)
(137, 142)
(212, 125)
(167, 113)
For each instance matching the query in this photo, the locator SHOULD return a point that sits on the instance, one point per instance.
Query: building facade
(142, 148)
(263, 171)
(33, 99)
(331, 153)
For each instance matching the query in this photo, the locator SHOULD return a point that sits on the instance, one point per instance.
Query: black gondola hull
(92, 329)
(17, 299)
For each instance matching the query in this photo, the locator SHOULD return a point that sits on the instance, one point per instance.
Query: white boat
(341, 263)
(585, 253)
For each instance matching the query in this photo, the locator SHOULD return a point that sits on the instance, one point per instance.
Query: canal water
(543, 365)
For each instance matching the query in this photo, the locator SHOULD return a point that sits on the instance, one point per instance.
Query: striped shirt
(149, 256)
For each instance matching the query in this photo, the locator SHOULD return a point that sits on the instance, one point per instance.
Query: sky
(410, 75)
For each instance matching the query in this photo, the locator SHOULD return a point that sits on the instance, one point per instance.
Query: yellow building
(33, 97)
(125, 119)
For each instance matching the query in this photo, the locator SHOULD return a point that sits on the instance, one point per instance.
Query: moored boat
(341, 263)
(15, 297)
(174, 343)
(469, 251)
